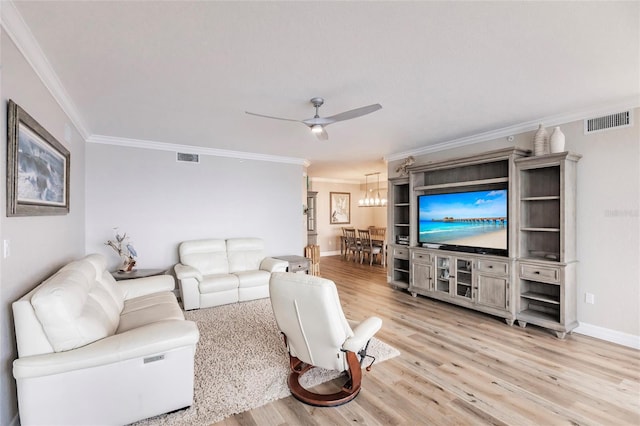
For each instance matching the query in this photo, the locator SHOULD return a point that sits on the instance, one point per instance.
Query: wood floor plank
(461, 367)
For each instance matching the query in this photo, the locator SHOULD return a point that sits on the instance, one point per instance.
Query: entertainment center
(493, 232)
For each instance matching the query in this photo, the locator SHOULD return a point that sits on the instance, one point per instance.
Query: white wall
(608, 216)
(160, 202)
(39, 245)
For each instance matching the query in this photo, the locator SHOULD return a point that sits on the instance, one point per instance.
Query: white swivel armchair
(317, 334)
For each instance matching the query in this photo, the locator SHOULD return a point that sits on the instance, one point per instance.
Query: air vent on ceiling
(187, 158)
(611, 121)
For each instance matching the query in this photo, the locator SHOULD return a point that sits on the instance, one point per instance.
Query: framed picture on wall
(340, 207)
(37, 168)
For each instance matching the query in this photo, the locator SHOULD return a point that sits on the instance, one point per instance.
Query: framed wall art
(37, 168)
(340, 207)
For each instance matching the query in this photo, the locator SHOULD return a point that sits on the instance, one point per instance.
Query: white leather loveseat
(95, 352)
(216, 272)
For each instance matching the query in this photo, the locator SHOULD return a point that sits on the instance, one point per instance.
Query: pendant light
(368, 200)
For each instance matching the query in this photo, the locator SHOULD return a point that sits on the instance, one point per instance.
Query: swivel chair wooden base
(348, 391)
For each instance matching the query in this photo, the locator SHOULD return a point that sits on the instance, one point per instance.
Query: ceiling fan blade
(275, 118)
(323, 136)
(358, 112)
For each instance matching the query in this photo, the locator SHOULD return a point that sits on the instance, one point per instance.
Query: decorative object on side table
(125, 250)
(541, 141)
(556, 141)
(37, 168)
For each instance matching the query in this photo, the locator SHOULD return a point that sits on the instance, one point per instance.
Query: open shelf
(541, 297)
(532, 315)
(400, 212)
(461, 184)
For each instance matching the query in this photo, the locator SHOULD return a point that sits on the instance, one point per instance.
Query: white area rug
(241, 363)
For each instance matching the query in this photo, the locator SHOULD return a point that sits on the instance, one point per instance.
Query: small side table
(296, 263)
(137, 273)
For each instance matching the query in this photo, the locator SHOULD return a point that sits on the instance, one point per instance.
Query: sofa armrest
(142, 286)
(185, 271)
(271, 264)
(362, 334)
(140, 342)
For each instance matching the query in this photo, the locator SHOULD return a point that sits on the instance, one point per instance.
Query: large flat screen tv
(471, 221)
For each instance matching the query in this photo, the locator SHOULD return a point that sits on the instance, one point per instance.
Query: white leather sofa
(92, 351)
(215, 272)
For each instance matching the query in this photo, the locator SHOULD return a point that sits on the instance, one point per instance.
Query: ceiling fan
(317, 123)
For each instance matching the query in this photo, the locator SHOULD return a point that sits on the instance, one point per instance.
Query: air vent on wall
(611, 121)
(187, 158)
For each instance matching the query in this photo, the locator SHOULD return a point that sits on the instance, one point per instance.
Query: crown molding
(335, 180)
(17, 29)
(549, 121)
(163, 146)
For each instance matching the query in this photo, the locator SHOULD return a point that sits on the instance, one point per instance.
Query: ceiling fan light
(316, 128)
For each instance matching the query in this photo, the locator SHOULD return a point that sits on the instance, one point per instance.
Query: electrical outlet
(6, 248)
(589, 298)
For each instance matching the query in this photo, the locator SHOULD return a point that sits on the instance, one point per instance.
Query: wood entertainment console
(535, 282)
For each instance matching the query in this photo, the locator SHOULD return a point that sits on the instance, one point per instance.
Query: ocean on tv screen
(466, 234)
(477, 219)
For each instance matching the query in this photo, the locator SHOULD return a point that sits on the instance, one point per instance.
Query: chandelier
(368, 200)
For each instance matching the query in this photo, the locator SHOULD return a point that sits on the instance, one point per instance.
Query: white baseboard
(329, 253)
(609, 335)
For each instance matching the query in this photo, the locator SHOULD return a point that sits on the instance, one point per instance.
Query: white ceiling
(184, 72)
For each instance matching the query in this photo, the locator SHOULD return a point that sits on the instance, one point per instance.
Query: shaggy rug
(241, 363)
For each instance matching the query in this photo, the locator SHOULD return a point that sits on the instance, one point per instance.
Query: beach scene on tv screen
(475, 219)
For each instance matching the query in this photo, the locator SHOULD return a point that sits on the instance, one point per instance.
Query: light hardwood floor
(462, 367)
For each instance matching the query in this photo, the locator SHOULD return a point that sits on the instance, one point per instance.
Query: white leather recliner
(95, 352)
(215, 272)
(317, 334)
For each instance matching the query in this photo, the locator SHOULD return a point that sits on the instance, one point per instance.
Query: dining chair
(379, 239)
(366, 246)
(343, 242)
(352, 245)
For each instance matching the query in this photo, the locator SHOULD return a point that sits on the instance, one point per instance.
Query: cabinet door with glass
(444, 276)
(463, 278)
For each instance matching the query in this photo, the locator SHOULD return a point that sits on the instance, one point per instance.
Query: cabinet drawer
(493, 266)
(421, 257)
(540, 273)
(401, 253)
